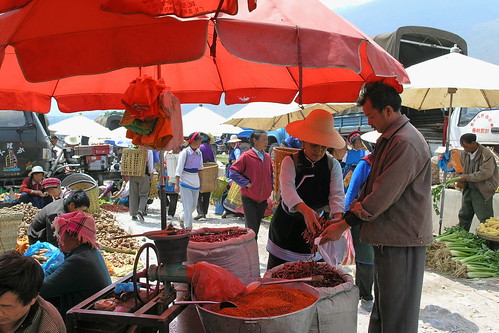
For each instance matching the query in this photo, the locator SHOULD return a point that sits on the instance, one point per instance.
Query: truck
(24, 143)
(414, 44)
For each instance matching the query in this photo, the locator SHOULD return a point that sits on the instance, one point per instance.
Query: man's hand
(249, 185)
(334, 231)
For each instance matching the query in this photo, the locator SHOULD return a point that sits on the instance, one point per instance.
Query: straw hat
(233, 139)
(371, 136)
(37, 169)
(317, 128)
(72, 140)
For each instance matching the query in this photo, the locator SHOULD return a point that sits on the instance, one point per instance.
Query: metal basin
(299, 321)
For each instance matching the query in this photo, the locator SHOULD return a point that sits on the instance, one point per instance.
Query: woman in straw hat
(311, 183)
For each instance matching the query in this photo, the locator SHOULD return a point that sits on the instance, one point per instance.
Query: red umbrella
(319, 53)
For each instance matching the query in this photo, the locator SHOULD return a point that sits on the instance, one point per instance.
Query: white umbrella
(202, 119)
(476, 81)
(271, 116)
(80, 125)
(448, 81)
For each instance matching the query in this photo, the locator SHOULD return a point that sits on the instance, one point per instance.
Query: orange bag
(455, 161)
(141, 98)
(213, 283)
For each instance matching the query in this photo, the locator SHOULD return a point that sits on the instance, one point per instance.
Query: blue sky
(477, 21)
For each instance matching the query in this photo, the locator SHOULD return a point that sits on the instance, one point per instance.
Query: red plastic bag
(213, 283)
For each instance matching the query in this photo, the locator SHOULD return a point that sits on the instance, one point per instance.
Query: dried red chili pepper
(213, 237)
(299, 269)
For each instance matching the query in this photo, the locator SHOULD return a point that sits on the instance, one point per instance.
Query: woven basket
(9, 227)
(92, 192)
(487, 237)
(153, 192)
(133, 162)
(217, 193)
(234, 195)
(209, 179)
(279, 154)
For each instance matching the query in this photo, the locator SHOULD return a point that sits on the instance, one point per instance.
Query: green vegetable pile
(471, 253)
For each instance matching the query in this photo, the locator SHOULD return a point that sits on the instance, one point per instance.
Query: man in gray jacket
(393, 211)
(479, 181)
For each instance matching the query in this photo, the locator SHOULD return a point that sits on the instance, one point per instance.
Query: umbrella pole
(162, 192)
(451, 91)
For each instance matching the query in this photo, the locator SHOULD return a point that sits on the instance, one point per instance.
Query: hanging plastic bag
(443, 162)
(53, 256)
(455, 161)
(340, 252)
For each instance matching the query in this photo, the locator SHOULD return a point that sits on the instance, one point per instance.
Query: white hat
(233, 139)
(371, 136)
(37, 169)
(72, 140)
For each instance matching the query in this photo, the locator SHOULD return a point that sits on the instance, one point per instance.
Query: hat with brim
(72, 140)
(233, 139)
(317, 128)
(371, 136)
(50, 183)
(37, 169)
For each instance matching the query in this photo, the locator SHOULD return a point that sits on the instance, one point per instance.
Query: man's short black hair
(256, 135)
(20, 275)
(53, 137)
(79, 198)
(468, 138)
(380, 95)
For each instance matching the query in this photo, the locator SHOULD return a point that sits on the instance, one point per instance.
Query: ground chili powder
(268, 301)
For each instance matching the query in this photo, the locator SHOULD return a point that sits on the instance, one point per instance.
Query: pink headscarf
(78, 223)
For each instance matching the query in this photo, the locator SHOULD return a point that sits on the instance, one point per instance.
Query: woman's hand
(310, 217)
(177, 188)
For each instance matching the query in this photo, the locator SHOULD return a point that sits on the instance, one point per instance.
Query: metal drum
(295, 322)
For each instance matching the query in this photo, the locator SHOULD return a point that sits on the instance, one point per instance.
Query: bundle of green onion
(472, 252)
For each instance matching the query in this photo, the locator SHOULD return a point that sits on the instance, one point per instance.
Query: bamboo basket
(9, 227)
(217, 193)
(234, 195)
(279, 154)
(92, 191)
(153, 192)
(210, 173)
(133, 162)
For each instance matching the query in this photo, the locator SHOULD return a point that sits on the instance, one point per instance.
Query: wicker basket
(234, 195)
(153, 192)
(9, 227)
(217, 193)
(487, 236)
(92, 192)
(279, 154)
(209, 178)
(133, 162)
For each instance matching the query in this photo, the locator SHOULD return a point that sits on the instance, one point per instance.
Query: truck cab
(480, 121)
(23, 144)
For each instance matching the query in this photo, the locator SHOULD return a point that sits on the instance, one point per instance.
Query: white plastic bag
(340, 252)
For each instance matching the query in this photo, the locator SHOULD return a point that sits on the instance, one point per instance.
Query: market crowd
(378, 190)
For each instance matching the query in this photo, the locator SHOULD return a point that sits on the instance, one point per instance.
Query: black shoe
(140, 217)
(200, 216)
(134, 218)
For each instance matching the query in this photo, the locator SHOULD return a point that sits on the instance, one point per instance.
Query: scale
(155, 287)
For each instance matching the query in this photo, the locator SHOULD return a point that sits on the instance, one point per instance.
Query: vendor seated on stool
(21, 307)
(83, 272)
(32, 189)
